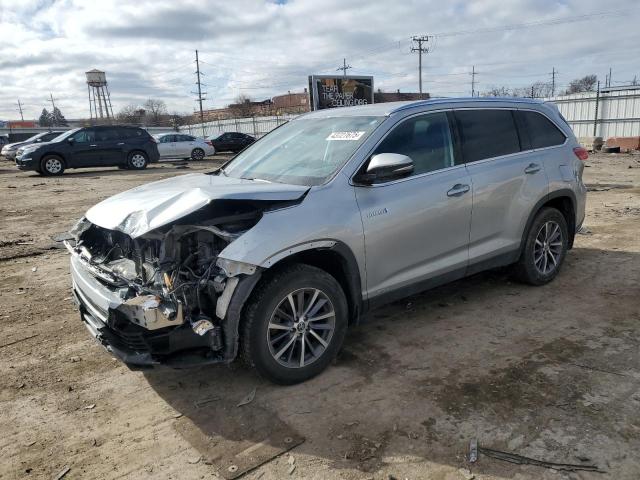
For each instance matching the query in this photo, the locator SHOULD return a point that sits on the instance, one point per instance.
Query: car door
(185, 145)
(109, 145)
(166, 146)
(84, 151)
(416, 229)
(506, 184)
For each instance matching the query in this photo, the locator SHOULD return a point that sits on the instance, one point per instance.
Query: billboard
(330, 91)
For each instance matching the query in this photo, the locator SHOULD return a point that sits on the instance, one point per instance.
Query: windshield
(306, 151)
(64, 135)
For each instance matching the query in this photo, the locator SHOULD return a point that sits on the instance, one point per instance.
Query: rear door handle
(121, 143)
(532, 168)
(458, 189)
(93, 145)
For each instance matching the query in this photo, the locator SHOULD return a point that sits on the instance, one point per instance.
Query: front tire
(545, 248)
(197, 154)
(51, 165)
(138, 160)
(294, 325)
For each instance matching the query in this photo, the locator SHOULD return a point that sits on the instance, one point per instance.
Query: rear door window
(487, 133)
(540, 130)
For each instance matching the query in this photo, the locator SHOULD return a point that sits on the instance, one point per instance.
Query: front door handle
(93, 145)
(532, 168)
(458, 189)
(121, 143)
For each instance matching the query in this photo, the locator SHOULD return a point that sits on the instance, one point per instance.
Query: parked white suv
(180, 145)
(328, 216)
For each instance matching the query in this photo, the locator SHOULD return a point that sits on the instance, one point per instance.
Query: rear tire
(197, 154)
(294, 324)
(138, 160)
(545, 248)
(51, 165)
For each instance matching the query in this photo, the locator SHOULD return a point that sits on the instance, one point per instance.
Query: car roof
(386, 109)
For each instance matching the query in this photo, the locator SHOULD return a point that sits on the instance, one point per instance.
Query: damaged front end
(163, 297)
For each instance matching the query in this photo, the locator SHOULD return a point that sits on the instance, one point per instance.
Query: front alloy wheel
(51, 165)
(301, 328)
(294, 324)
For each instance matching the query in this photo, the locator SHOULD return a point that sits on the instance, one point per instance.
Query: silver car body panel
(400, 235)
(153, 205)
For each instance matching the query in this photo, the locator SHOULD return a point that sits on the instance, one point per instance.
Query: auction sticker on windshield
(353, 136)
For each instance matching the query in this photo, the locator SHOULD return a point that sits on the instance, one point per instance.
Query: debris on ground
(473, 450)
(522, 460)
(204, 401)
(90, 407)
(64, 471)
(248, 399)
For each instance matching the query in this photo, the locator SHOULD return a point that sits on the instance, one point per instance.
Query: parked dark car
(10, 150)
(231, 141)
(100, 146)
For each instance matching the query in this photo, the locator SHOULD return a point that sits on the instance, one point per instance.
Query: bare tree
(156, 112)
(584, 84)
(243, 106)
(132, 114)
(498, 92)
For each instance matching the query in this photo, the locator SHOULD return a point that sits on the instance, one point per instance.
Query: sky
(264, 48)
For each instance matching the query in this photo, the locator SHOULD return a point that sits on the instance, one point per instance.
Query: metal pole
(200, 94)
(595, 120)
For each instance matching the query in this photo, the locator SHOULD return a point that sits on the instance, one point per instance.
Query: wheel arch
(337, 260)
(563, 200)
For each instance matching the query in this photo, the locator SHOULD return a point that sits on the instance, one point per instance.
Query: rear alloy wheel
(295, 324)
(197, 154)
(51, 165)
(545, 248)
(137, 160)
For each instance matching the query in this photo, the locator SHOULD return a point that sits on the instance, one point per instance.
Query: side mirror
(385, 167)
(70, 140)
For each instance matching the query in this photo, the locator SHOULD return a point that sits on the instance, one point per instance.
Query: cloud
(264, 48)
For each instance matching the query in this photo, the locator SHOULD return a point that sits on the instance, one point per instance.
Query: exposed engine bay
(171, 278)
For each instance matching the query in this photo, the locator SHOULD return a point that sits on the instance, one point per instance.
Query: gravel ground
(551, 373)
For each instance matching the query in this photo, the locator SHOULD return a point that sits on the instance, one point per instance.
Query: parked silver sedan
(179, 145)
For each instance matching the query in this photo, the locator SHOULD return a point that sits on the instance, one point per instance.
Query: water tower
(99, 97)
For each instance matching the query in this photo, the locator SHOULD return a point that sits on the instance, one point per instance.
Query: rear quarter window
(541, 131)
(487, 133)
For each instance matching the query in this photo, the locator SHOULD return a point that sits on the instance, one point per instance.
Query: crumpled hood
(147, 207)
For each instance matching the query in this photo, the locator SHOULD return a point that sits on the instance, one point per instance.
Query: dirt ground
(552, 372)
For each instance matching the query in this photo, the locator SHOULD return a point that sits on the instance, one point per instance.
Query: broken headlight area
(172, 292)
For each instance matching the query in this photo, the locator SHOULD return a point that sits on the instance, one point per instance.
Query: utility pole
(344, 67)
(200, 94)
(595, 120)
(53, 104)
(609, 84)
(20, 109)
(420, 49)
(473, 80)
(553, 81)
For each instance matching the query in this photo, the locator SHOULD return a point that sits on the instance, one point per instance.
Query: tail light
(581, 153)
(209, 142)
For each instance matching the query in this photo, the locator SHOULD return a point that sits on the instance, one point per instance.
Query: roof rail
(435, 101)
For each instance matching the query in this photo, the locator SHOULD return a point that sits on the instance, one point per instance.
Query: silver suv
(338, 211)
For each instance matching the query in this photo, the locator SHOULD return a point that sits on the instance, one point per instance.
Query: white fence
(254, 126)
(618, 112)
